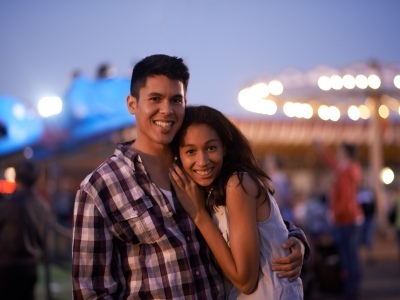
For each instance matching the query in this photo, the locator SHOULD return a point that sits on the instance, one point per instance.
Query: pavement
(380, 275)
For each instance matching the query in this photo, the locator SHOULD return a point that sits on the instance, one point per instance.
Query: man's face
(159, 111)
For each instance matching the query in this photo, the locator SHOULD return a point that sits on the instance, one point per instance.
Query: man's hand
(290, 266)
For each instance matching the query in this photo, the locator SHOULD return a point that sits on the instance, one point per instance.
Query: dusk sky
(227, 44)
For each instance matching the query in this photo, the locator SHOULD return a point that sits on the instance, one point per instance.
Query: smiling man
(131, 237)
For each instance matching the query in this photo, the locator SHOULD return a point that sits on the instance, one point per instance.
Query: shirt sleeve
(298, 233)
(92, 250)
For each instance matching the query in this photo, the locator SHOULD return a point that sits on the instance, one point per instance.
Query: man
(131, 237)
(346, 212)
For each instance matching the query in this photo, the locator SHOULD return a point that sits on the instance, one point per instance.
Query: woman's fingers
(179, 175)
(176, 180)
(180, 179)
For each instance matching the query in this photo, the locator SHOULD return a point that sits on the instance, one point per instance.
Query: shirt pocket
(136, 222)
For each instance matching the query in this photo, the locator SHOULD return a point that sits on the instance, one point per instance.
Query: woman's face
(202, 154)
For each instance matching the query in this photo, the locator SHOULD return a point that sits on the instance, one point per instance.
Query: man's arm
(91, 252)
(298, 233)
(290, 266)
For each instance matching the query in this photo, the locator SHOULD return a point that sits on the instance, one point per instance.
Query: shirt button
(197, 273)
(188, 238)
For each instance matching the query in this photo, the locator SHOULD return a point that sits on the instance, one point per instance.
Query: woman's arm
(241, 202)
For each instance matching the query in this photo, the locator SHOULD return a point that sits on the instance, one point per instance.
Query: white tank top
(273, 233)
(168, 194)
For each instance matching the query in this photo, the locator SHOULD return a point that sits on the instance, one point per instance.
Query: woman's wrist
(201, 216)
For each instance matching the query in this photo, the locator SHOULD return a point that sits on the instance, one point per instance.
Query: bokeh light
(354, 112)
(387, 175)
(49, 106)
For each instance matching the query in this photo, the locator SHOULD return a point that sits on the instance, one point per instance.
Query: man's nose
(166, 107)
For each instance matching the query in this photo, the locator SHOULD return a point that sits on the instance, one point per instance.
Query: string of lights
(327, 93)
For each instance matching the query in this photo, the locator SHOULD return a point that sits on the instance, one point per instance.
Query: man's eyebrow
(152, 94)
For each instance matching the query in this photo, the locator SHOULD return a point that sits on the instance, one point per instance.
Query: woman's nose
(202, 159)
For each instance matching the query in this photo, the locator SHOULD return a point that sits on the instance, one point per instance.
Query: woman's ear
(177, 161)
(131, 103)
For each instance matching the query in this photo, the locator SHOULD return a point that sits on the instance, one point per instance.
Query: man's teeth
(206, 172)
(163, 124)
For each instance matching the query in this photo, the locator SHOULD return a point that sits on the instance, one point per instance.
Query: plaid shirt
(128, 243)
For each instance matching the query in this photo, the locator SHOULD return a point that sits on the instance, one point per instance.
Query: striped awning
(305, 132)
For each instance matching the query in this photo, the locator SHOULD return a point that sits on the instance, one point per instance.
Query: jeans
(347, 239)
(367, 233)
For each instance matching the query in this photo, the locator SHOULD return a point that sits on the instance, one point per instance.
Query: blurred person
(63, 202)
(394, 216)
(131, 237)
(229, 198)
(281, 185)
(391, 207)
(105, 71)
(367, 199)
(300, 201)
(346, 212)
(24, 224)
(325, 270)
(317, 220)
(3, 129)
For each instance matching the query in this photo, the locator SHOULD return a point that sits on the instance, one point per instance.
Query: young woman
(225, 192)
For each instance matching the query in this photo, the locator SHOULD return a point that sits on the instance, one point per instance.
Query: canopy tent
(21, 126)
(91, 110)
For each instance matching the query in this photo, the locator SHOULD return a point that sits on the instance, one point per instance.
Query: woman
(216, 162)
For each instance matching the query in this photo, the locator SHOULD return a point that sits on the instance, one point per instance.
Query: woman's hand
(189, 194)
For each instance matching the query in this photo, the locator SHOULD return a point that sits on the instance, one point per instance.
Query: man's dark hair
(158, 64)
(26, 173)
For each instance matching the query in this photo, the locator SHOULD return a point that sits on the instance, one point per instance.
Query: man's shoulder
(107, 169)
(111, 171)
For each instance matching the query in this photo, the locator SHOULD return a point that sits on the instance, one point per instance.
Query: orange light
(7, 187)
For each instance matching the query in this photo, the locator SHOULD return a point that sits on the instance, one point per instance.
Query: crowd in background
(310, 210)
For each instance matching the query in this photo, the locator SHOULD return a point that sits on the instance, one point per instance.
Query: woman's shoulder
(241, 180)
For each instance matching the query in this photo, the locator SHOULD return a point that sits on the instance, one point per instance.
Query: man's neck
(157, 162)
(156, 153)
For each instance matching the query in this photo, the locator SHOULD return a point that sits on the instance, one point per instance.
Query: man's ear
(131, 103)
